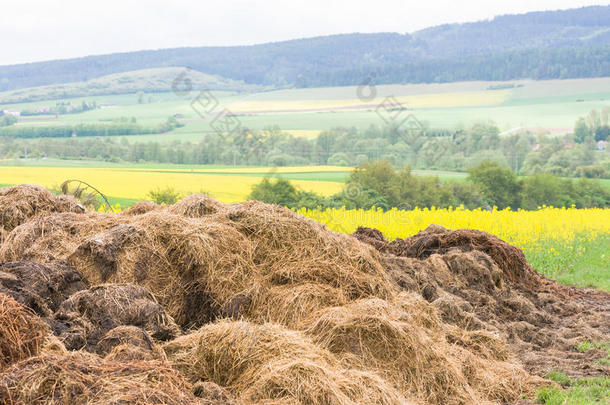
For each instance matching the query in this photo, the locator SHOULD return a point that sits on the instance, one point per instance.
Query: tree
(280, 192)
(499, 185)
(581, 130)
(602, 133)
(544, 189)
(593, 120)
(7, 120)
(605, 116)
(378, 176)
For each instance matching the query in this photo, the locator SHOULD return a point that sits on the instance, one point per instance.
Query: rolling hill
(147, 80)
(540, 45)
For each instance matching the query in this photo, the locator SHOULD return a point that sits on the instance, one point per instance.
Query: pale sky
(34, 30)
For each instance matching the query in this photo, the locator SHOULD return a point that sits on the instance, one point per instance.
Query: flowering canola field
(136, 183)
(517, 227)
(567, 244)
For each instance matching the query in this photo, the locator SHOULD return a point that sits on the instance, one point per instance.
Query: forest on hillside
(541, 45)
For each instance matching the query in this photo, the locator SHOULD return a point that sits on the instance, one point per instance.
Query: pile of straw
(82, 378)
(276, 308)
(22, 334)
(20, 203)
(413, 353)
(196, 206)
(260, 363)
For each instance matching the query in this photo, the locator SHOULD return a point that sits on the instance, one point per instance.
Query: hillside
(541, 45)
(147, 80)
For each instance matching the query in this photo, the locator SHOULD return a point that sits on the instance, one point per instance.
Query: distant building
(602, 145)
(536, 147)
(102, 106)
(14, 113)
(511, 131)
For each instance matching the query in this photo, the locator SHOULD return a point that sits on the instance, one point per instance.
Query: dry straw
(269, 362)
(413, 353)
(20, 203)
(316, 317)
(22, 334)
(82, 378)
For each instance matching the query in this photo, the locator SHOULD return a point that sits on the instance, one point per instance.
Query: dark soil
(87, 316)
(41, 287)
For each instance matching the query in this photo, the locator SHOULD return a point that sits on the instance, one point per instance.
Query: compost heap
(201, 302)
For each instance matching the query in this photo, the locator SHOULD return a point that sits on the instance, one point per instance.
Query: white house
(12, 112)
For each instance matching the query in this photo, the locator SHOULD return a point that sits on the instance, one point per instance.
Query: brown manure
(541, 321)
(509, 259)
(22, 334)
(12, 286)
(42, 287)
(373, 237)
(20, 203)
(83, 319)
(83, 378)
(263, 363)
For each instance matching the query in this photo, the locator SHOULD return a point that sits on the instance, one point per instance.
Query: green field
(583, 262)
(552, 105)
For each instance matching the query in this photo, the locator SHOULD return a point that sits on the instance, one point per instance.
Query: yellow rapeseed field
(522, 228)
(438, 100)
(270, 170)
(135, 184)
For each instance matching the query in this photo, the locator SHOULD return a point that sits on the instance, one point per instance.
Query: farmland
(228, 185)
(418, 216)
(553, 105)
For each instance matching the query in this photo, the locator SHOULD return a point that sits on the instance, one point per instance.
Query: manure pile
(206, 303)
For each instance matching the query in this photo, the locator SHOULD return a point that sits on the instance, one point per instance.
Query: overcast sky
(34, 30)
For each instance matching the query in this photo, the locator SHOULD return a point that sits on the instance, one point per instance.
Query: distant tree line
(524, 152)
(488, 185)
(114, 128)
(62, 107)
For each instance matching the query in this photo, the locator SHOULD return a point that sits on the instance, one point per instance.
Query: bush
(7, 120)
(545, 189)
(166, 196)
(280, 192)
(339, 159)
(499, 185)
(594, 172)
